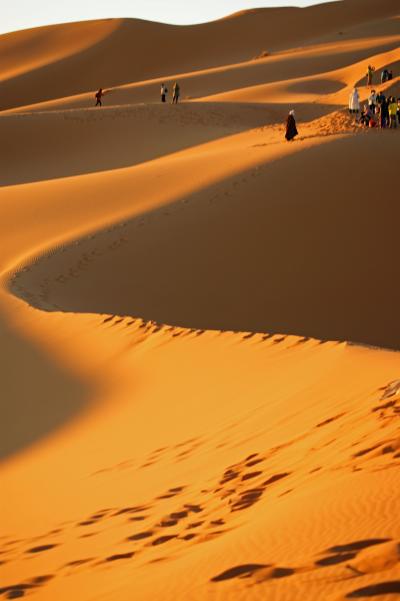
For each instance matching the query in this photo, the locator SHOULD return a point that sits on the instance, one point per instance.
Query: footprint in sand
(41, 548)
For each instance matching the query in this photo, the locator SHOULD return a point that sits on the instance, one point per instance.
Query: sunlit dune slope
(296, 487)
(32, 49)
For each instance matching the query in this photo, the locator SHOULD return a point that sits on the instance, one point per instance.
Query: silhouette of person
(291, 129)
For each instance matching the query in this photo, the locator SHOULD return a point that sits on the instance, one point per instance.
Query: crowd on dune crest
(379, 110)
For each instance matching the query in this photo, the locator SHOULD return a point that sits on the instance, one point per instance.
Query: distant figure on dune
(384, 113)
(354, 102)
(176, 93)
(367, 116)
(164, 92)
(379, 99)
(372, 101)
(384, 76)
(291, 129)
(370, 74)
(99, 95)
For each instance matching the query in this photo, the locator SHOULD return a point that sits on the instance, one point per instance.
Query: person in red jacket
(99, 95)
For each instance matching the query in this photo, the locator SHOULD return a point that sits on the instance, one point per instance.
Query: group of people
(176, 92)
(379, 110)
(386, 75)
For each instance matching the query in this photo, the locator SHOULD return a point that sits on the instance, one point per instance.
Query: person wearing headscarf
(291, 129)
(164, 92)
(354, 101)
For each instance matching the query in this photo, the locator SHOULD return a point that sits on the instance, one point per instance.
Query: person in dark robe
(291, 129)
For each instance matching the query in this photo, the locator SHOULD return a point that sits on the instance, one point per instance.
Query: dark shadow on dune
(283, 248)
(37, 396)
(15, 591)
(358, 545)
(108, 144)
(242, 571)
(332, 560)
(375, 590)
(316, 86)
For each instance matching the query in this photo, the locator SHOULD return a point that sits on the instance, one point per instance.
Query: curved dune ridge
(198, 320)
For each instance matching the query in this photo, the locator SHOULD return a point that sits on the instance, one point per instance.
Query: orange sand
(188, 411)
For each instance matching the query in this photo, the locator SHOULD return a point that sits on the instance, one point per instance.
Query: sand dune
(188, 411)
(160, 48)
(221, 246)
(289, 64)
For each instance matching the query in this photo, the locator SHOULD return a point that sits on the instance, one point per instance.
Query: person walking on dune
(99, 95)
(291, 129)
(354, 102)
(176, 93)
(164, 92)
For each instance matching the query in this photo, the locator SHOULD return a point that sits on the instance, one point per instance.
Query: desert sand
(199, 333)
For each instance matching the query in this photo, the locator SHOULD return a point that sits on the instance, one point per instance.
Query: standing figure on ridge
(370, 73)
(176, 93)
(164, 92)
(354, 102)
(291, 129)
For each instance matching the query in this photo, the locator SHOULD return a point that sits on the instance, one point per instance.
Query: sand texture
(199, 331)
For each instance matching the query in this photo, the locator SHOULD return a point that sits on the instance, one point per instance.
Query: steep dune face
(115, 137)
(166, 49)
(31, 49)
(147, 450)
(277, 236)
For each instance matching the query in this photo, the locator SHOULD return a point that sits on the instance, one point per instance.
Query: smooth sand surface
(199, 327)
